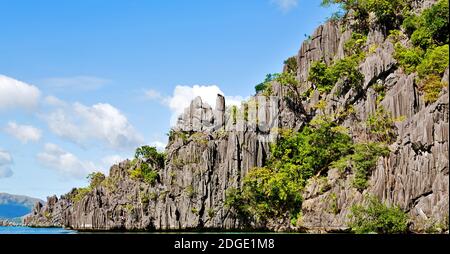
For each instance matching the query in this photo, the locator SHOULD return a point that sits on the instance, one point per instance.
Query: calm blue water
(27, 230)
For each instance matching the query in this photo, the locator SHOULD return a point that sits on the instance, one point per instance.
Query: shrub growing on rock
(408, 58)
(377, 217)
(95, 179)
(145, 173)
(435, 61)
(291, 65)
(266, 84)
(150, 153)
(431, 27)
(429, 36)
(432, 87)
(325, 77)
(275, 190)
(363, 160)
(381, 125)
(388, 13)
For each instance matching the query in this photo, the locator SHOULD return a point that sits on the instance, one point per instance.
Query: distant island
(14, 207)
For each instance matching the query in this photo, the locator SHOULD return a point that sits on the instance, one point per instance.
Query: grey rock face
(7, 223)
(213, 149)
(324, 43)
(202, 164)
(415, 175)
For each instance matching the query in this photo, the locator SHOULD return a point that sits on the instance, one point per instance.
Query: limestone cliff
(210, 150)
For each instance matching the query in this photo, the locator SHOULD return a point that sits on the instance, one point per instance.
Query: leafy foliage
(409, 24)
(184, 135)
(145, 173)
(275, 189)
(429, 66)
(265, 85)
(429, 36)
(310, 150)
(150, 153)
(80, 194)
(380, 89)
(381, 125)
(320, 75)
(190, 191)
(359, 13)
(289, 80)
(435, 61)
(144, 156)
(347, 68)
(95, 179)
(430, 28)
(376, 217)
(325, 77)
(432, 87)
(364, 160)
(291, 65)
(286, 78)
(355, 45)
(333, 203)
(234, 113)
(435, 20)
(387, 12)
(408, 58)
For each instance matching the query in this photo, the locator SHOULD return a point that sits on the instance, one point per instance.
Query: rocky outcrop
(415, 175)
(210, 150)
(7, 223)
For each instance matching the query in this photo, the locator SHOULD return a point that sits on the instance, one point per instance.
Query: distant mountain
(14, 206)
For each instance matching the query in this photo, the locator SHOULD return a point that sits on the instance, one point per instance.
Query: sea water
(28, 230)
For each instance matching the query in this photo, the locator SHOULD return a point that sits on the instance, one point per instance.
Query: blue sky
(83, 82)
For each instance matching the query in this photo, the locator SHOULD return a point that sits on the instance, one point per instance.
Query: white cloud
(183, 95)
(285, 5)
(17, 94)
(160, 146)
(110, 160)
(24, 133)
(153, 94)
(54, 101)
(234, 100)
(5, 164)
(65, 163)
(101, 122)
(84, 83)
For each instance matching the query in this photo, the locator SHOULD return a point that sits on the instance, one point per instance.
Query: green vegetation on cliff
(380, 125)
(150, 153)
(275, 190)
(389, 13)
(265, 85)
(429, 53)
(288, 78)
(147, 157)
(377, 217)
(95, 179)
(325, 77)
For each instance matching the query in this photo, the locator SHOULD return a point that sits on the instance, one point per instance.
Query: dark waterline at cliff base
(30, 230)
